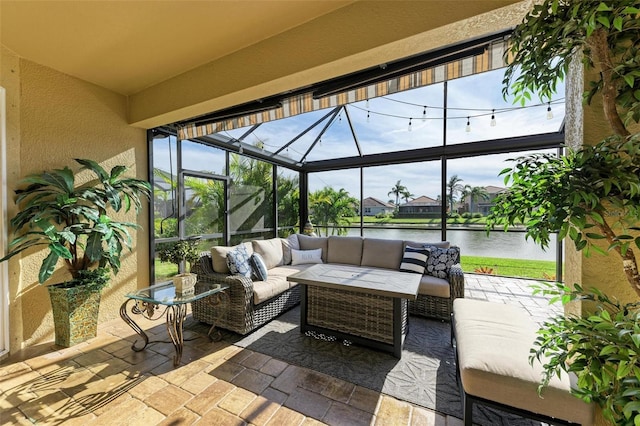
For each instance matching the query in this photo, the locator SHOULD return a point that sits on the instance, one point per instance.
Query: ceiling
(177, 59)
(127, 46)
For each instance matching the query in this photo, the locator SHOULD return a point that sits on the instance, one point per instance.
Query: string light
(409, 127)
(493, 118)
(468, 128)
(549, 112)
(424, 114)
(366, 104)
(368, 117)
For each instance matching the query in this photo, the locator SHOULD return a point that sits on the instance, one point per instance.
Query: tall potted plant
(75, 224)
(590, 196)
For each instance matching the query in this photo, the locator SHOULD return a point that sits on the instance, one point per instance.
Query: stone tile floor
(103, 382)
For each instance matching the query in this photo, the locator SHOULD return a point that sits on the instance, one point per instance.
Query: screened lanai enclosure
(410, 150)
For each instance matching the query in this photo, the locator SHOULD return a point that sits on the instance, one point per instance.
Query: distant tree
(454, 187)
(406, 195)
(474, 193)
(398, 190)
(331, 208)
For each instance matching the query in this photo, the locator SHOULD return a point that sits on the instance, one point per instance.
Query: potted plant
(182, 252)
(75, 224)
(592, 195)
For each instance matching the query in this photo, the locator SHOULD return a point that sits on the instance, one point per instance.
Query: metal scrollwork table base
(162, 300)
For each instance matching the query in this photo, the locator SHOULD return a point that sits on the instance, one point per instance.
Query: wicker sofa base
(239, 314)
(431, 307)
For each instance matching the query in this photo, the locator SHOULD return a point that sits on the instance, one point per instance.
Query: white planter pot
(185, 283)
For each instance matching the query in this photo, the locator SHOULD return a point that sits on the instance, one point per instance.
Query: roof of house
(423, 200)
(374, 202)
(494, 189)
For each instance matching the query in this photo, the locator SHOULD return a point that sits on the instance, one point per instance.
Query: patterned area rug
(425, 375)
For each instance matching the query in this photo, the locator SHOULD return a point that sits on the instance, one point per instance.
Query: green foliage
(179, 251)
(572, 195)
(332, 208)
(603, 350)
(74, 222)
(542, 47)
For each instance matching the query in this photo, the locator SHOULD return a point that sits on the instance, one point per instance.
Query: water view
(510, 245)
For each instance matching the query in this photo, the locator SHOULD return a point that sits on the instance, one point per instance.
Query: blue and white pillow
(441, 260)
(238, 261)
(258, 267)
(415, 259)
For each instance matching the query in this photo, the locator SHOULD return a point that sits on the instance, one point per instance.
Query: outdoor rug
(425, 375)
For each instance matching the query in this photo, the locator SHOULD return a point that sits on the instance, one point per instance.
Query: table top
(165, 294)
(383, 282)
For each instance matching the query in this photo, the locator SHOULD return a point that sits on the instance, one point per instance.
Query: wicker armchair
(440, 307)
(240, 315)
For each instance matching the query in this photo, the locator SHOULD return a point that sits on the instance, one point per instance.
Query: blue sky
(387, 130)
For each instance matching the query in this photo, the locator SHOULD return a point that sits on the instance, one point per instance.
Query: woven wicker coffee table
(363, 305)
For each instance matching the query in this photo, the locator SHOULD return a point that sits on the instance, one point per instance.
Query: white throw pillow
(299, 257)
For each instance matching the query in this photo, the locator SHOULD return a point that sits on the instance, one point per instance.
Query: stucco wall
(52, 119)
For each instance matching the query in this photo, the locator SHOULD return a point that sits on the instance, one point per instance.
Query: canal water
(511, 245)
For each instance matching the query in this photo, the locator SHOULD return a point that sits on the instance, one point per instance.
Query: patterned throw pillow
(238, 261)
(414, 259)
(441, 260)
(258, 267)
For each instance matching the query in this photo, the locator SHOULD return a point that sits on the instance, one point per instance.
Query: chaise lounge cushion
(270, 250)
(219, 257)
(312, 243)
(345, 250)
(494, 341)
(380, 253)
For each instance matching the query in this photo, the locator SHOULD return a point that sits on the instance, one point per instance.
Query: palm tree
(453, 187)
(474, 193)
(331, 207)
(406, 195)
(398, 190)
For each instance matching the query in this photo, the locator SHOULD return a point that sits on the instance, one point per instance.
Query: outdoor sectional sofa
(252, 302)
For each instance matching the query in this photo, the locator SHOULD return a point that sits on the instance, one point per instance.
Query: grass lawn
(538, 269)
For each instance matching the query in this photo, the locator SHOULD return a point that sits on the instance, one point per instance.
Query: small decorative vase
(185, 283)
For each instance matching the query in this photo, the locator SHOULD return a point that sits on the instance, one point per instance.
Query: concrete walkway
(103, 382)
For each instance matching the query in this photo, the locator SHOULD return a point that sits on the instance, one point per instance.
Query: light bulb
(409, 127)
(468, 128)
(368, 117)
(424, 114)
(493, 118)
(366, 104)
(240, 150)
(549, 112)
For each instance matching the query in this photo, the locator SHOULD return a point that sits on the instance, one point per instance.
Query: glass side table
(162, 299)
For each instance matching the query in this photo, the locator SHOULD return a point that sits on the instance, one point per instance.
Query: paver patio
(103, 381)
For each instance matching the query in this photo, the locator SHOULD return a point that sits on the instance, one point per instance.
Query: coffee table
(367, 306)
(149, 301)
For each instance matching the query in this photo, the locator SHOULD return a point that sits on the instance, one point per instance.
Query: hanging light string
(484, 112)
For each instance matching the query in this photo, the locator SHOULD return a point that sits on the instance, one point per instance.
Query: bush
(477, 215)
(466, 215)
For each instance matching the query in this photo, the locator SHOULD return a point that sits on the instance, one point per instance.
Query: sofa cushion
(432, 286)
(346, 250)
(441, 260)
(265, 290)
(382, 253)
(258, 267)
(238, 261)
(286, 270)
(219, 257)
(291, 242)
(270, 250)
(312, 243)
(414, 259)
(440, 244)
(301, 257)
